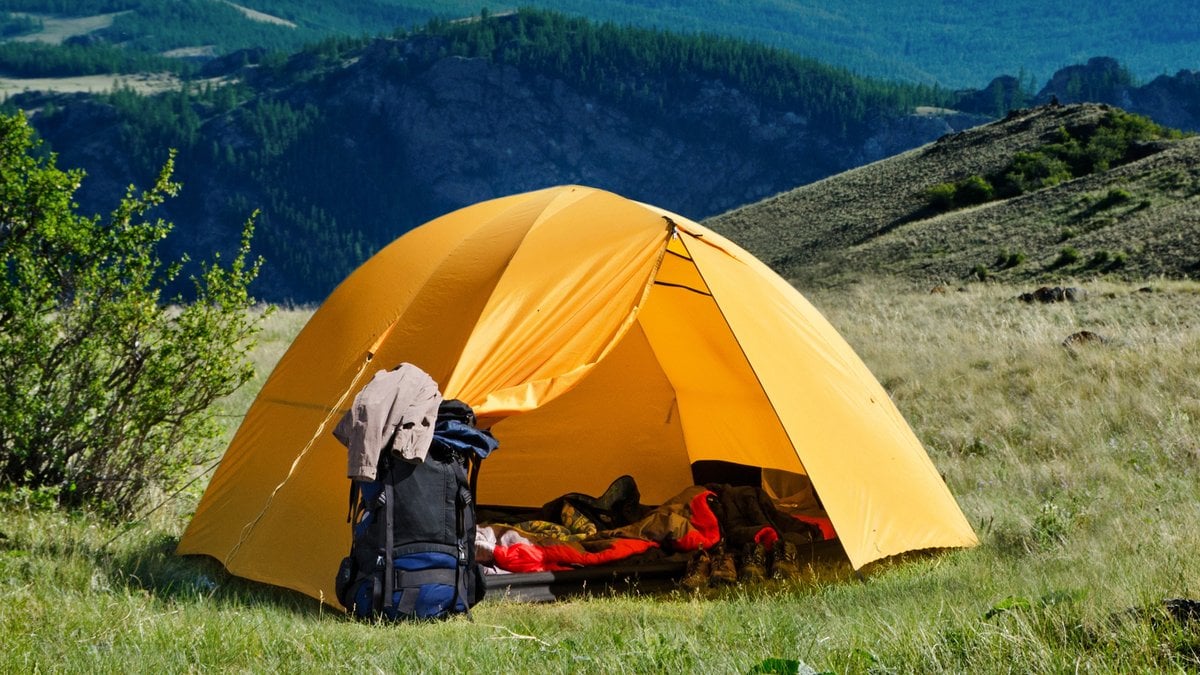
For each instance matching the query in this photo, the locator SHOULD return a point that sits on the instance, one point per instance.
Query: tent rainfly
(599, 336)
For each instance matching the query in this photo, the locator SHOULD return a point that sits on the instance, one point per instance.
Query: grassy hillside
(1136, 218)
(1079, 469)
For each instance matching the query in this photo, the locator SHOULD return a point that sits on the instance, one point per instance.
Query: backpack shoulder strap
(465, 500)
(475, 461)
(356, 508)
(389, 543)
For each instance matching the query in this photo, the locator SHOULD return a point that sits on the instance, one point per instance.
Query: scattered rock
(1083, 337)
(1046, 294)
(1181, 611)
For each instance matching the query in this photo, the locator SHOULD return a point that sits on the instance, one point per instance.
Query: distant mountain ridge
(952, 44)
(1171, 100)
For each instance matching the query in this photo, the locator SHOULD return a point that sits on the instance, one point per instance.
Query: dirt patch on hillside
(148, 83)
(201, 52)
(56, 29)
(255, 15)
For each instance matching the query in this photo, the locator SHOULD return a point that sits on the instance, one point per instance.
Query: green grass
(1079, 469)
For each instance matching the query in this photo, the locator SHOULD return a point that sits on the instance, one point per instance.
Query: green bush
(941, 196)
(1067, 256)
(973, 190)
(1031, 171)
(1106, 261)
(1099, 259)
(1009, 259)
(966, 192)
(1114, 197)
(105, 389)
(1079, 152)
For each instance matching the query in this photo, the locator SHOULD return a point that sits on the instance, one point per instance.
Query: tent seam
(651, 281)
(636, 309)
(541, 217)
(248, 528)
(742, 349)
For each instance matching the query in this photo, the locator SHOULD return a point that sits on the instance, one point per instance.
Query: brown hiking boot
(785, 563)
(754, 563)
(724, 571)
(699, 569)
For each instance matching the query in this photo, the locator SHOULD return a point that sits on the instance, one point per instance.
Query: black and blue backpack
(412, 554)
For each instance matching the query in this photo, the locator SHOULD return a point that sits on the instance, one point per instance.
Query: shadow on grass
(153, 566)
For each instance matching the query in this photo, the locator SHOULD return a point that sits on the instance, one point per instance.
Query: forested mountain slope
(948, 42)
(951, 43)
(348, 144)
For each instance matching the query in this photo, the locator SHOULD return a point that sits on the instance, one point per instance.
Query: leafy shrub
(941, 196)
(1110, 143)
(30, 499)
(1009, 259)
(966, 192)
(1106, 261)
(1114, 197)
(1079, 152)
(1031, 171)
(1067, 256)
(973, 190)
(105, 390)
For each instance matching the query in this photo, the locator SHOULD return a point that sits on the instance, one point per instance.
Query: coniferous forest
(343, 219)
(251, 115)
(946, 42)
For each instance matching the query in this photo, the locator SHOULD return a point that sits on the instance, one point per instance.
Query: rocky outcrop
(1170, 100)
(1047, 294)
(1002, 94)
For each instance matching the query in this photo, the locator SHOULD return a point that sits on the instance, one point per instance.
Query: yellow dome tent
(600, 336)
